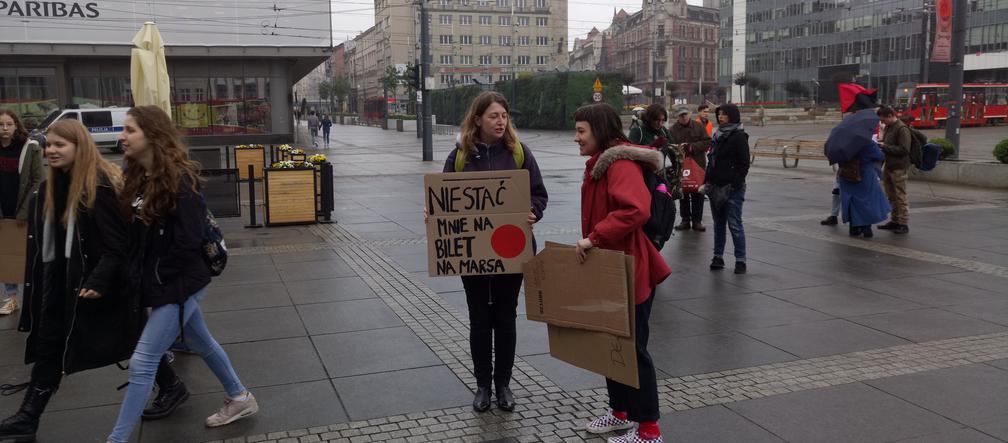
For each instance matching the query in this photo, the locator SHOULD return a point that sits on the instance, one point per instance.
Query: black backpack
(663, 209)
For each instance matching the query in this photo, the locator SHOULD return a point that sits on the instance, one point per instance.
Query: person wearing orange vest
(702, 111)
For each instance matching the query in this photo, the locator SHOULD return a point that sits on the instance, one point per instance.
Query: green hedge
(1001, 151)
(946, 146)
(538, 101)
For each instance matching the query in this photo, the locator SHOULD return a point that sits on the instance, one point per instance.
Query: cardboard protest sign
(612, 355)
(592, 296)
(13, 251)
(477, 222)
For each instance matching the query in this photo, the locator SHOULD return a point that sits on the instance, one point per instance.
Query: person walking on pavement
(487, 141)
(693, 139)
(615, 205)
(166, 265)
(20, 174)
(77, 313)
(725, 184)
(313, 127)
(326, 126)
(896, 139)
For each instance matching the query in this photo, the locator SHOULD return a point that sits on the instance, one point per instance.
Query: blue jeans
(161, 331)
(10, 289)
(730, 215)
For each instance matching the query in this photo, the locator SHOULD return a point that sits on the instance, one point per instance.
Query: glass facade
(30, 92)
(222, 105)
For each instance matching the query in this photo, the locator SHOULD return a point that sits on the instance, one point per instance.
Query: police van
(104, 124)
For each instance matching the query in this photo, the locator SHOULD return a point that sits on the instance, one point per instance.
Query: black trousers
(641, 404)
(493, 304)
(691, 207)
(50, 344)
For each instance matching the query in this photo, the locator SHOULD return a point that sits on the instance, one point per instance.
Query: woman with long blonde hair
(166, 265)
(76, 312)
(488, 142)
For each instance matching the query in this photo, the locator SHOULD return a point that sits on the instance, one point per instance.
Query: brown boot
(684, 226)
(699, 227)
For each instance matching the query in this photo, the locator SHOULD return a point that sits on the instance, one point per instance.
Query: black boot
(482, 400)
(21, 426)
(167, 400)
(505, 398)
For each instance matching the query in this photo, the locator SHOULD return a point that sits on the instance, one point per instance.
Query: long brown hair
(88, 169)
(606, 126)
(470, 131)
(20, 133)
(169, 166)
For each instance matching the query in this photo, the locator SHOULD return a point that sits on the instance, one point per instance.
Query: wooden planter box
(297, 157)
(255, 157)
(290, 196)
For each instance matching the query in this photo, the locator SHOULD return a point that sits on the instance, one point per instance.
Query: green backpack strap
(462, 154)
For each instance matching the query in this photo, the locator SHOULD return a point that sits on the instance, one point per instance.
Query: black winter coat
(98, 332)
(166, 257)
(496, 157)
(728, 162)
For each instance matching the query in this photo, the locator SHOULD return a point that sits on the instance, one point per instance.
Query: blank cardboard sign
(477, 222)
(13, 251)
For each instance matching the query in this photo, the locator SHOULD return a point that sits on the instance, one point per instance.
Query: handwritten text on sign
(477, 223)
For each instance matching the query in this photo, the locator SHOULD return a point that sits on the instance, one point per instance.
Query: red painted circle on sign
(508, 241)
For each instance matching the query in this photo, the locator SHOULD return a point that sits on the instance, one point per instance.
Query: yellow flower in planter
(317, 159)
(285, 147)
(296, 151)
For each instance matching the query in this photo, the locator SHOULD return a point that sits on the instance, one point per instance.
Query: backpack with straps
(461, 155)
(917, 142)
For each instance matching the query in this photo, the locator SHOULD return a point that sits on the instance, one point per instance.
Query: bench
(788, 149)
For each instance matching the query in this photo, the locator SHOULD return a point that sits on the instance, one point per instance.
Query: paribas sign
(48, 9)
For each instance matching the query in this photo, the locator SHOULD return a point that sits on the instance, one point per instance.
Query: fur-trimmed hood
(648, 158)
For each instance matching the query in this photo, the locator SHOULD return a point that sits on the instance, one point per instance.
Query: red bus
(983, 103)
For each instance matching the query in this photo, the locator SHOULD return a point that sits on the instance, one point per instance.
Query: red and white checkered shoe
(633, 437)
(608, 423)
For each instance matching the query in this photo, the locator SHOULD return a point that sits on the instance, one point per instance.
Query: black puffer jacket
(98, 332)
(728, 161)
(166, 257)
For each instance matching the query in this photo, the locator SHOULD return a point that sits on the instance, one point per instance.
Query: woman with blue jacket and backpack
(488, 142)
(167, 266)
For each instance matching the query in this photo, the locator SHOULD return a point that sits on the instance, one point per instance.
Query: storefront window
(86, 91)
(116, 91)
(225, 105)
(30, 92)
(190, 110)
(257, 105)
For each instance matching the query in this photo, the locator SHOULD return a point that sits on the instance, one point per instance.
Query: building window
(541, 59)
(446, 39)
(446, 59)
(482, 2)
(486, 59)
(465, 39)
(465, 19)
(540, 3)
(542, 21)
(504, 40)
(465, 79)
(485, 40)
(446, 2)
(504, 59)
(504, 20)
(524, 59)
(505, 77)
(523, 21)
(485, 20)
(524, 40)
(447, 79)
(445, 19)
(519, 3)
(465, 60)
(502, 3)
(542, 41)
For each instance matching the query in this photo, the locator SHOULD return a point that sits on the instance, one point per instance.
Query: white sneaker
(10, 306)
(232, 411)
(608, 423)
(633, 437)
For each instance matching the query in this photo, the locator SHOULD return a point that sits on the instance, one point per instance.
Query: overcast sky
(350, 17)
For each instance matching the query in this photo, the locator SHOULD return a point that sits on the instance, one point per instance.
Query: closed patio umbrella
(148, 70)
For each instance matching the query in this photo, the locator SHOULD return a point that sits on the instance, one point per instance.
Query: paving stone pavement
(343, 337)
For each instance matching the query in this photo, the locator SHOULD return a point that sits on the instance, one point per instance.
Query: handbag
(692, 176)
(850, 171)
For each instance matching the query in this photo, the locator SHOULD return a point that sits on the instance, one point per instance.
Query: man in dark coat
(694, 135)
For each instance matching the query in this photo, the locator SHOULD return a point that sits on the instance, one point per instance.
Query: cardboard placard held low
(595, 299)
(610, 355)
(13, 251)
(477, 222)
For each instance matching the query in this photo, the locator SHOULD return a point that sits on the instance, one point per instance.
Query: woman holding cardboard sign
(615, 205)
(488, 142)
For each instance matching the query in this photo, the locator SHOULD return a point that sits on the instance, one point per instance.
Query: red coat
(614, 207)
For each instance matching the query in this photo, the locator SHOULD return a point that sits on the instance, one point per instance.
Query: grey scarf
(725, 129)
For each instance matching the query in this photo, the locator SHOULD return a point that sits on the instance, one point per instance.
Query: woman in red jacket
(615, 205)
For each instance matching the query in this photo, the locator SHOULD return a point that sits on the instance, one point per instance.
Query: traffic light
(413, 76)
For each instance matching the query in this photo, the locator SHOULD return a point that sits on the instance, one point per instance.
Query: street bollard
(252, 199)
(328, 202)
